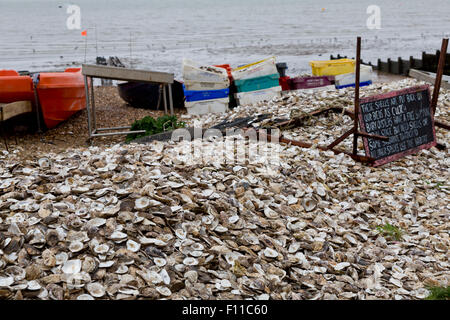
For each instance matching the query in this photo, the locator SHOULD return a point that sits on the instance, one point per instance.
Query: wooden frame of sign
(405, 116)
(355, 131)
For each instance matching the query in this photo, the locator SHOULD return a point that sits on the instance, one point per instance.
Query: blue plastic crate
(361, 84)
(194, 95)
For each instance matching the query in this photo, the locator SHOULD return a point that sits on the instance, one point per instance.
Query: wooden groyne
(400, 66)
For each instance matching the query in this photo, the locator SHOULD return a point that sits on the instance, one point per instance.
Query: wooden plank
(13, 109)
(107, 72)
(428, 77)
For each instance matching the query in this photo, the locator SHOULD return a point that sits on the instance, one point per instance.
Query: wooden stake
(357, 76)
(439, 72)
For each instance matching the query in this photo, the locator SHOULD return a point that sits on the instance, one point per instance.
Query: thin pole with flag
(84, 34)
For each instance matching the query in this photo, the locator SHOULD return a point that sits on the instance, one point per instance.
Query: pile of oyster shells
(143, 222)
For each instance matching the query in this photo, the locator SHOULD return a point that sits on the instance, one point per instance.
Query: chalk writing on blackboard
(404, 116)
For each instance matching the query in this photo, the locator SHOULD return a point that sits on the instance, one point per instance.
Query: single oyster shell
(160, 262)
(6, 281)
(122, 269)
(293, 248)
(269, 213)
(270, 253)
(296, 226)
(341, 266)
(197, 246)
(101, 248)
(76, 246)
(61, 258)
(165, 276)
(196, 253)
(106, 264)
(164, 291)
(190, 261)
(85, 296)
(145, 203)
(33, 285)
(133, 246)
(223, 284)
(191, 275)
(309, 204)
(180, 233)
(89, 264)
(96, 289)
(117, 235)
(72, 266)
(97, 222)
(44, 163)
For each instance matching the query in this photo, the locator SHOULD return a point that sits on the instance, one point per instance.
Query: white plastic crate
(207, 106)
(257, 69)
(345, 79)
(204, 85)
(196, 72)
(251, 97)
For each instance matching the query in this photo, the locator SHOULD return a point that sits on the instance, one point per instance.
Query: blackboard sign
(404, 116)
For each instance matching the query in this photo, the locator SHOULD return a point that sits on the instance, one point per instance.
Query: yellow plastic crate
(332, 67)
(252, 64)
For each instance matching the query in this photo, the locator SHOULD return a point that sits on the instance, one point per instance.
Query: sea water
(158, 34)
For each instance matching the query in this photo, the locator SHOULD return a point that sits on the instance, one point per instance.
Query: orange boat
(14, 87)
(60, 94)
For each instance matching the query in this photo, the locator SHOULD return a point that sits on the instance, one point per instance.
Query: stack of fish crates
(257, 82)
(206, 88)
(343, 71)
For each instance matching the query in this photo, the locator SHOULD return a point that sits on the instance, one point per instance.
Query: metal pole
(94, 121)
(440, 71)
(170, 100)
(357, 77)
(165, 99)
(85, 48)
(88, 107)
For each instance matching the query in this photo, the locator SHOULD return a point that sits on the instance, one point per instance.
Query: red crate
(310, 82)
(226, 67)
(284, 83)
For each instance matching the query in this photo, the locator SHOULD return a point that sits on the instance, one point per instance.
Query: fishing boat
(60, 94)
(139, 94)
(14, 87)
(148, 96)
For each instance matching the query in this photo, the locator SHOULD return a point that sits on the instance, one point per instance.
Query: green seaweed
(390, 232)
(152, 126)
(438, 293)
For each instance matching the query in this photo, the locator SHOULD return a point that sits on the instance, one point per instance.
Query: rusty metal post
(357, 77)
(439, 72)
